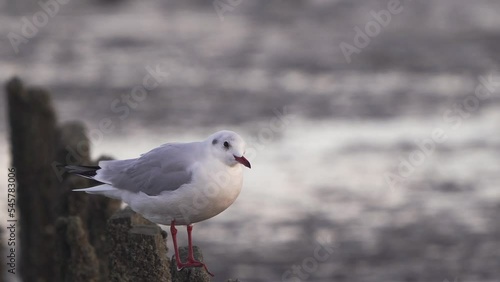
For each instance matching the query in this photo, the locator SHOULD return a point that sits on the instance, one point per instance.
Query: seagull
(176, 183)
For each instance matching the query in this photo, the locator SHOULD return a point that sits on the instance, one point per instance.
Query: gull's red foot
(191, 262)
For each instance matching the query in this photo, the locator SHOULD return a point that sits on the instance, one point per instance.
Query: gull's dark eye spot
(226, 144)
(215, 141)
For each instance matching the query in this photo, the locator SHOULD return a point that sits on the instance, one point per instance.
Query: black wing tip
(82, 170)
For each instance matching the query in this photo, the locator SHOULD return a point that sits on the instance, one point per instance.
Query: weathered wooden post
(66, 236)
(94, 211)
(77, 257)
(138, 249)
(189, 274)
(44, 196)
(33, 135)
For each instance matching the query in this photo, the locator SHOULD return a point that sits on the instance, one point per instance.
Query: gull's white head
(229, 147)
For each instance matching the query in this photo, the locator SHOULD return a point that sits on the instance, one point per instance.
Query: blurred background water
(320, 178)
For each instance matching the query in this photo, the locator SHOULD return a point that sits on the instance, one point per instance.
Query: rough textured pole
(138, 249)
(33, 134)
(192, 274)
(39, 149)
(79, 261)
(94, 210)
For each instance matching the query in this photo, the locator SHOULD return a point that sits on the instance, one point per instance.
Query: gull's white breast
(214, 188)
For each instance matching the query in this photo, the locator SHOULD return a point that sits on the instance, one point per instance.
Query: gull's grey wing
(165, 168)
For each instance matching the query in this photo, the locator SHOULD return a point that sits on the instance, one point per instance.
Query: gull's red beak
(242, 160)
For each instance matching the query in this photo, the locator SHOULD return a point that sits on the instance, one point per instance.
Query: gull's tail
(89, 172)
(83, 170)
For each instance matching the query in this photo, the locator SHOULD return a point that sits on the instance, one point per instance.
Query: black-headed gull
(176, 183)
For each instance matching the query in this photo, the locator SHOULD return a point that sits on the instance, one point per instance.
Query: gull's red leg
(174, 239)
(191, 261)
(190, 244)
